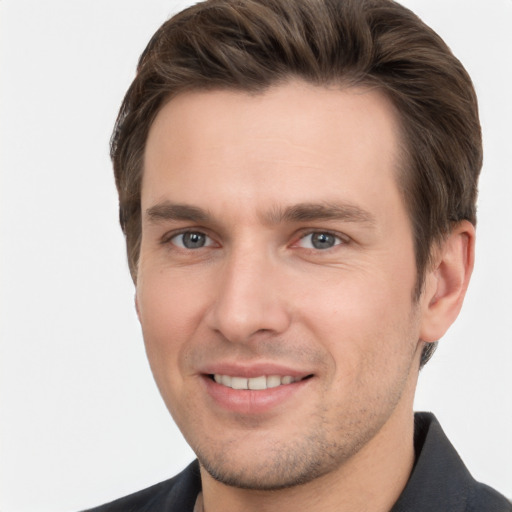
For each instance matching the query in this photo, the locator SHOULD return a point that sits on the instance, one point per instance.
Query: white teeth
(255, 383)
(239, 383)
(273, 381)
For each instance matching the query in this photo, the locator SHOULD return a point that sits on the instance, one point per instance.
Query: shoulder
(178, 493)
(440, 481)
(486, 498)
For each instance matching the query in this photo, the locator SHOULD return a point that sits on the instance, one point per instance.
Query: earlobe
(447, 281)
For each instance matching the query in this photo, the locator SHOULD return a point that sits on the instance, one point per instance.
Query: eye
(191, 240)
(319, 240)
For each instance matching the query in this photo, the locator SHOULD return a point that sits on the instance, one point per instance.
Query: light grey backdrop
(81, 420)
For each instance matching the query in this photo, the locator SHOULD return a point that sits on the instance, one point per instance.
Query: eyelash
(338, 239)
(168, 238)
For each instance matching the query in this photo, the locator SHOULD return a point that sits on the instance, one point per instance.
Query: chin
(280, 475)
(278, 464)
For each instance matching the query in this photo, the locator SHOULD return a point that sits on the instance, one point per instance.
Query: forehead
(285, 144)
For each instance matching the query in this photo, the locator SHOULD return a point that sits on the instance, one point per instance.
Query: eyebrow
(302, 212)
(320, 211)
(172, 211)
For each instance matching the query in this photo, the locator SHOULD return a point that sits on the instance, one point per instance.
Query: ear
(447, 281)
(136, 301)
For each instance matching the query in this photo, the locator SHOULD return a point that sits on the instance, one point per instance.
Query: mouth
(251, 391)
(259, 383)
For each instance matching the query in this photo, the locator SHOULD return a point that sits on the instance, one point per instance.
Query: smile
(255, 383)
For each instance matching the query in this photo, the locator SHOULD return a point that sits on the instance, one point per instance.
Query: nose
(250, 298)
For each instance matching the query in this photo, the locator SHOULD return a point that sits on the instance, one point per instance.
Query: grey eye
(191, 240)
(319, 240)
(322, 240)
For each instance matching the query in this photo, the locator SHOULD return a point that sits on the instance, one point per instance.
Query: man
(297, 184)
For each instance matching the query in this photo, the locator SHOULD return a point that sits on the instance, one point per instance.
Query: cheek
(168, 302)
(362, 300)
(370, 338)
(362, 314)
(169, 313)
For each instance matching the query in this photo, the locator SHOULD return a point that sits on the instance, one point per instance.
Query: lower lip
(248, 401)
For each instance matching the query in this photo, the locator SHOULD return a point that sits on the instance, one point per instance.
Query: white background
(81, 420)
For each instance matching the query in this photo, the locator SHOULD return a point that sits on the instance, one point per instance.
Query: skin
(258, 292)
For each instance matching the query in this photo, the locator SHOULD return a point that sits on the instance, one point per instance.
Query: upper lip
(253, 370)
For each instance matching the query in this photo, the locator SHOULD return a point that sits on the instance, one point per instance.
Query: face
(276, 278)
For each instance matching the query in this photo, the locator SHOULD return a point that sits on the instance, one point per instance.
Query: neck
(371, 481)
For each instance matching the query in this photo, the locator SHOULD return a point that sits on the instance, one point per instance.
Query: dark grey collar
(440, 481)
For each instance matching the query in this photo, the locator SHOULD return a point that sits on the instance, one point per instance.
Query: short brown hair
(250, 45)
